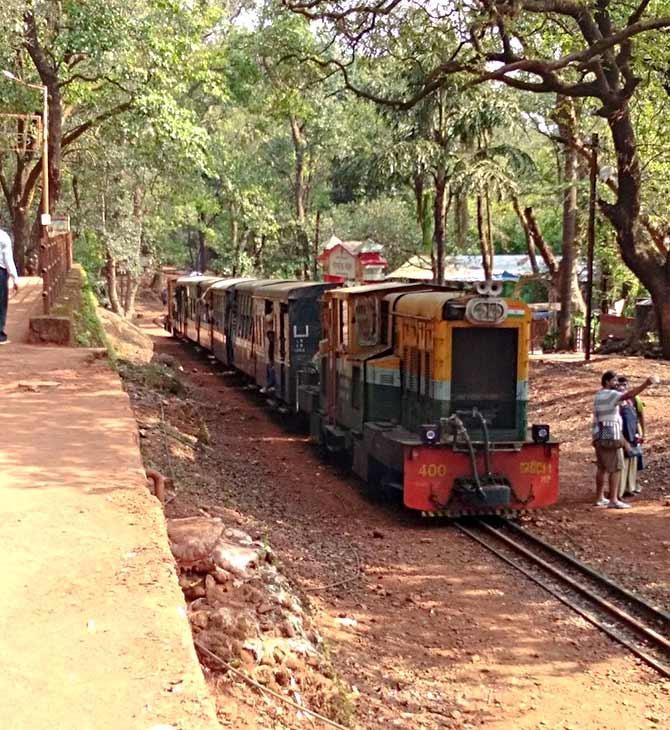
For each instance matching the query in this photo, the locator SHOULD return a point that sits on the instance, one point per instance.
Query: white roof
(506, 267)
(354, 247)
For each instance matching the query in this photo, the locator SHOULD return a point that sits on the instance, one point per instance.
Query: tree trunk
(258, 253)
(21, 237)
(646, 263)
(483, 246)
(428, 223)
(566, 117)
(300, 192)
(112, 291)
(192, 250)
(424, 200)
(490, 252)
(131, 295)
(317, 245)
(202, 262)
(235, 243)
(530, 245)
(122, 286)
(439, 210)
(662, 308)
(461, 220)
(418, 184)
(48, 73)
(542, 245)
(19, 201)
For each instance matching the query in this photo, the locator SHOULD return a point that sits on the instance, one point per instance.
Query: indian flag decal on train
(516, 312)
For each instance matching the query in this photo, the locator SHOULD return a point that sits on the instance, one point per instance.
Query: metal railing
(55, 264)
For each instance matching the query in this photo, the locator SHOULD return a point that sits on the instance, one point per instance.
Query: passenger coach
(421, 388)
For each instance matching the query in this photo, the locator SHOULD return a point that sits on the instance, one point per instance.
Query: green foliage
(220, 118)
(90, 254)
(88, 331)
(550, 341)
(386, 220)
(621, 282)
(154, 376)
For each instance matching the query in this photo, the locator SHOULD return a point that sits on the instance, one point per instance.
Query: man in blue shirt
(7, 272)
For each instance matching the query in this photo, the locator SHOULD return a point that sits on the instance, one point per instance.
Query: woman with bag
(608, 439)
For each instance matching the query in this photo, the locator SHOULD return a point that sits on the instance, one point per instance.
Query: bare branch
(637, 15)
(75, 133)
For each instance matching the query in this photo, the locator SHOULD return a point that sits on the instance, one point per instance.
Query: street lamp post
(591, 244)
(46, 218)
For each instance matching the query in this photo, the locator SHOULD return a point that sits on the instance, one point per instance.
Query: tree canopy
(239, 135)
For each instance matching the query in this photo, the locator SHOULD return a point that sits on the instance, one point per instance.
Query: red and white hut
(359, 262)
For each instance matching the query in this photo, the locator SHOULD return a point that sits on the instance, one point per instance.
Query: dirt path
(430, 630)
(93, 633)
(633, 546)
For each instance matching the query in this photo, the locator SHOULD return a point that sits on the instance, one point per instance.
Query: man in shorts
(607, 437)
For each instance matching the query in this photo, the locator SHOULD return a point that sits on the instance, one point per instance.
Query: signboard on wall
(58, 225)
(374, 273)
(342, 263)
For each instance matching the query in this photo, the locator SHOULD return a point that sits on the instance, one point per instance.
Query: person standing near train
(8, 274)
(607, 436)
(632, 428)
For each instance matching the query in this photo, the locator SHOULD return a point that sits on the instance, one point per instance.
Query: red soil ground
(432, 631)
(93, 631)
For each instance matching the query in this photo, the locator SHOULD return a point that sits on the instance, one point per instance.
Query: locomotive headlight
(540, 433)
(486, 310)
(430, 433)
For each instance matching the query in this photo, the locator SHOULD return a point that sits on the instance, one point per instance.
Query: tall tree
(96, 60)
(582, 50)
(565, 115)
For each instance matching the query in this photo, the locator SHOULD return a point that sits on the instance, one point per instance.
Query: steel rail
(645, 631)
(660, 667)
(658, 613)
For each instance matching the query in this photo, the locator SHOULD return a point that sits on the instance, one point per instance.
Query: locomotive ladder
(624, 616)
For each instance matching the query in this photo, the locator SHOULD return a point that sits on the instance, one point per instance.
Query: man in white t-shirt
(607, 437)
(7, 273)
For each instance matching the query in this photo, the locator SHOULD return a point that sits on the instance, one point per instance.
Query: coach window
(250, 318)
(384, 323)
(426, 375)
(344, 323)
(356, 387)
(404, 370)
(283, 322)
(414, 370)
(324, 375)
(366, 318)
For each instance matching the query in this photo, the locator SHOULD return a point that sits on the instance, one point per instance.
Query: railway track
(644, 629)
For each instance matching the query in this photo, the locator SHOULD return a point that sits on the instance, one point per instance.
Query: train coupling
(488, 492)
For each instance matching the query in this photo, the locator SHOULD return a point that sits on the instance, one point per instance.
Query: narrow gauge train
(419, 387)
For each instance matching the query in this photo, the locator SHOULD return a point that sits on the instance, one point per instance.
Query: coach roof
(196, 279)
(251, 285)
(227, 283)
(294, 289)
(385, 286)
